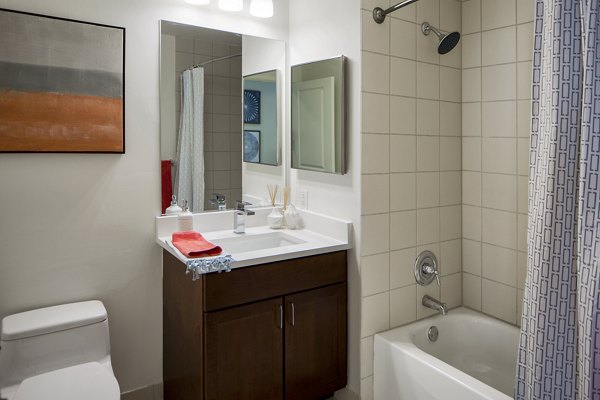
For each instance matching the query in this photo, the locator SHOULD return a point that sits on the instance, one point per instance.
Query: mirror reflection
(318, 107)
(260, 118)
(201, 113)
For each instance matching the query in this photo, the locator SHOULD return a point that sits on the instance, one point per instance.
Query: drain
(433, 333)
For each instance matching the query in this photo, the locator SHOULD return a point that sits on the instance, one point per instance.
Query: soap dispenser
(186, 218)
(173, 209)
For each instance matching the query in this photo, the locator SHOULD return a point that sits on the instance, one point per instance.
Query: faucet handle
(218, 196)
(241, 205)
(428, 269)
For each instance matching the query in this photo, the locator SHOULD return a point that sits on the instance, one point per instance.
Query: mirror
(261, 144)
(318, 116)
(201, 115)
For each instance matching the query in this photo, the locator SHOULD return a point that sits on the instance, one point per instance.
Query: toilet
(57, 353)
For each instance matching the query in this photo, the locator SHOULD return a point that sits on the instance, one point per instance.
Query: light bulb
(261, 8)
(231, 5)
(197, 2)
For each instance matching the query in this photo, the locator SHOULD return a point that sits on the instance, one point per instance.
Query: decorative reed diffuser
(275, 218)
(290, 215)
(272, 189)
(286, 197)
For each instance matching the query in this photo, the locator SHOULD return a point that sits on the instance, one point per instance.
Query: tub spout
(434, 304)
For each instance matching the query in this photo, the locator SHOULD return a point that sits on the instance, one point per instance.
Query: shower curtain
(189, 178)
(559, 354)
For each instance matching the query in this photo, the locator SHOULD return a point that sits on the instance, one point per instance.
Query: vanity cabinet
(268, 332)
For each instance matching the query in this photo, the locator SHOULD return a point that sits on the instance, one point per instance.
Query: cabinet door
(315, 343)
(244, 352)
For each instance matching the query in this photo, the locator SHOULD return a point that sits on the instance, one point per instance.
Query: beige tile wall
(496, 86)
(222, 113)
(411, 167)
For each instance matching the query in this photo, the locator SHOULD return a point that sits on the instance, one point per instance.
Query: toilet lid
(90, 381)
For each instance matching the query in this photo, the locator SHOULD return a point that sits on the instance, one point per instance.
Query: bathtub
(473, 358)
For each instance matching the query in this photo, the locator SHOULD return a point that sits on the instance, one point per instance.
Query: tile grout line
(481, 152)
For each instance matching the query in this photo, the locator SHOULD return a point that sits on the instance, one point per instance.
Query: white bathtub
(473, 358)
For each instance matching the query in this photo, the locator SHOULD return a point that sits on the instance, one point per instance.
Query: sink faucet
(434, 304)
(239, 216)
(218, 201)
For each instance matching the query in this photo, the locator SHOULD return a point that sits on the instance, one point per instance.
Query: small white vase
(275, 219)
(291, 217)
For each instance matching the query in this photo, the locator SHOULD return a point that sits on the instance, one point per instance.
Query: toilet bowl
(60, 352)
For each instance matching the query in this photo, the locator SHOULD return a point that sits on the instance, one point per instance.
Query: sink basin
(252, 242)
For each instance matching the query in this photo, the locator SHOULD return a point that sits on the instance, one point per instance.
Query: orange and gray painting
(61, 85)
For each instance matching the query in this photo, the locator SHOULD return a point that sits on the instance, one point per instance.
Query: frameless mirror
(201, 91)
(318, 116)
(261, 129)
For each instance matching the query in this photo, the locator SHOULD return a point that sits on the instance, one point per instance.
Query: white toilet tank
(47, 339)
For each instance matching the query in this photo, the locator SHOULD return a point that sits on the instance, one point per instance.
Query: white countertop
(319, 234)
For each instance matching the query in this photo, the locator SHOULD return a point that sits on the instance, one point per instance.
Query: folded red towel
(193, 245)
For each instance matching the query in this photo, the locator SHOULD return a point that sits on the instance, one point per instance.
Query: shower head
(447, 42)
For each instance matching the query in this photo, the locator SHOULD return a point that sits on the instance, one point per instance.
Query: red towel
(193, 245)
(166, 184)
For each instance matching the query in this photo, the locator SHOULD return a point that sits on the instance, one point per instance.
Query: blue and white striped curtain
(559, 355)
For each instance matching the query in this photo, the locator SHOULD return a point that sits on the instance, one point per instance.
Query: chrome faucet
(217, 200)
(239, 216)
(434, 304)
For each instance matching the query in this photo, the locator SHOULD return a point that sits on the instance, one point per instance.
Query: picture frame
(252, 106)
(252, 146)
(62, 85)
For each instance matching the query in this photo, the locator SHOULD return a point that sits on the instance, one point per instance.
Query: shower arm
(427, 29)
(379, 13)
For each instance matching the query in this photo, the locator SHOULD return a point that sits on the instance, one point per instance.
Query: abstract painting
(252, 146)
(252, 106)
(61, 85)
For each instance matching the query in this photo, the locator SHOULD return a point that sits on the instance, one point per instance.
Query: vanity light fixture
(231, 5)
(261, 8)
(197, 2)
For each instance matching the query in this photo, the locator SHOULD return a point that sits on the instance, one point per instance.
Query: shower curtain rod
(213, 60)
(379, 13)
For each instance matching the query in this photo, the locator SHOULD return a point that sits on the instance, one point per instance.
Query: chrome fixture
(202, 64)
(218, 201)
(447, 42)
(434, 304)
(433, 333)
(239, 216)
(426, 268)
(379, 13)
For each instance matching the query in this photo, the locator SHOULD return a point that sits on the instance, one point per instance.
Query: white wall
(320, 30)
(76, 227)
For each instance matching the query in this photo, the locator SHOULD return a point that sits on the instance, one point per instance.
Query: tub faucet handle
(426, 268)
(430, 270)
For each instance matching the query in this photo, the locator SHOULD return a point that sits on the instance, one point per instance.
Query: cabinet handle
(280, 316)
(293, 315)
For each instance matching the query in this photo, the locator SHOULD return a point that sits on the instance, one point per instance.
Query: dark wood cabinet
(315, 342)
(269, 332)
(244, 356)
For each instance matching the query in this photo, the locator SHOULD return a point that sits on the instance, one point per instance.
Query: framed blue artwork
(252, 146)
(252, 106)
